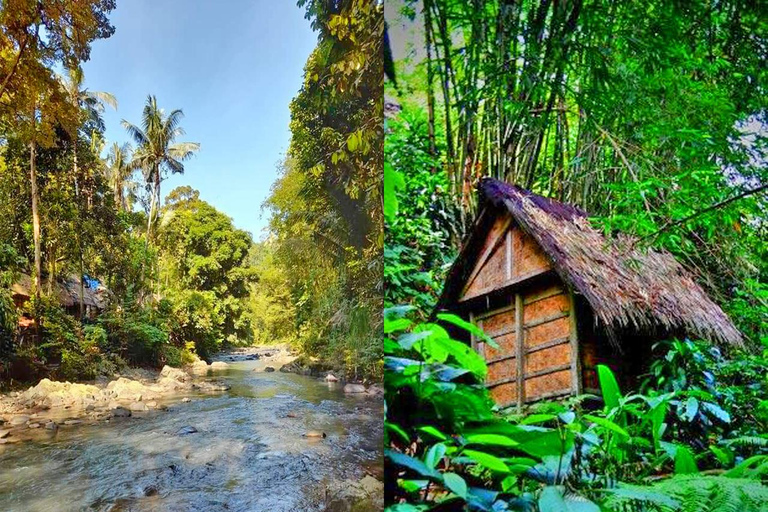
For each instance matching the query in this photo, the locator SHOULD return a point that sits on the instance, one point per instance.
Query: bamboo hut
(559, 298)
(66, 291)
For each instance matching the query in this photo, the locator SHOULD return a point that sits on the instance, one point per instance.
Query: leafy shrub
(451, 449)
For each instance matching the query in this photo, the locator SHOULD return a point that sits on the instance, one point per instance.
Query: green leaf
(393, 182)
(608, 386)
(552, 499)
(434, 455)
(489, 461)
(399, 324)
(685, 463)
(691, 409)
(397, 430)
(717, 411)
(490, 439)
(467, 326)
(411, 463)
(456, 484)
(432, 431)
(607, 424)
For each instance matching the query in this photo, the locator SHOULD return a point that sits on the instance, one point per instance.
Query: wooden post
(473, 339)
(509, 254)
(576, 381)
(519, 341)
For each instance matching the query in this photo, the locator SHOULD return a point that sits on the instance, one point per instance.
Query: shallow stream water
(249, 452)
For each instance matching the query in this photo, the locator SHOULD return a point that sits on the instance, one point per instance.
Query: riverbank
(41, 410)
(250, 447)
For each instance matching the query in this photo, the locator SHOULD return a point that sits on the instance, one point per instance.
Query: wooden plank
(473, 340)
(551, 394)
(559, 355)
(519, 340)
(494, 312)
(552, 381)
(549, 344)
(546, 332)
(516, 281)
(555, 289)
(509, 254)
(547, 319)
(576, 381)
(496, 325)
(546, 307)
(500, 358)
(495, 239)
(547, 371)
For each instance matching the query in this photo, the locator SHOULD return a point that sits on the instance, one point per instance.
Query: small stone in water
(315, 433)
(183, 431)
(19, 420)
(4, 433)
(120, 412)
(34, 425)
(331, 378)
(269, 369)
(150, 490)
(51, 425)
(72, 422)
(186, 400)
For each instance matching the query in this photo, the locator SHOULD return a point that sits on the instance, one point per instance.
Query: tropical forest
(575, 261)
(180, 354)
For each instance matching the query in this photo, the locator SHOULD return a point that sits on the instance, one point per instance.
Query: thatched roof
(626, 286)
(67, 291)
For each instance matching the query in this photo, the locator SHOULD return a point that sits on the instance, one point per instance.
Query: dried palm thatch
(628, 288)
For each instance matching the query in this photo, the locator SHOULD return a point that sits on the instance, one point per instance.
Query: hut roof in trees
(627, 286)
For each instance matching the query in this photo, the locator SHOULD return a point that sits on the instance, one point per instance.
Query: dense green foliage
(651, 116)
(177, 277)
(451, 449)
(320, 267)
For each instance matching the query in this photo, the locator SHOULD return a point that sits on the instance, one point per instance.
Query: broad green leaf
(432, 431)
(690, 410)
(397, 430)
(607, 424)
(489, 461)
(456, 484)
(490, 439)
(411, 463)
(399, 324)
(538, 418)
(685, 463)
(608, 386)
(467, 326)
(717, 411)
(552, 499)
(434, 455)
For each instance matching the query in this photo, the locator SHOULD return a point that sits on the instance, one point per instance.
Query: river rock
(219, 365)
(138, 406)
(152, 404)
(269, 369)
(315, 433)
(186, 400)
(375, 390)
(52, 425)
(48, 393)
(174, 373)
(16, 421)
(184, 431)
(126, 389)
(72, 422)
(150, 490)
(4, 433)
(331, 378)
(354, 388)
(121, 412)
(34, 425)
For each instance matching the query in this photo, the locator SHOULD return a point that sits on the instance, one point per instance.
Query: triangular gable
(507, 255)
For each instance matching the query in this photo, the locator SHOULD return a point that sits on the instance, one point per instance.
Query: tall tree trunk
(430, 78)
(35, 219)
(79, 233)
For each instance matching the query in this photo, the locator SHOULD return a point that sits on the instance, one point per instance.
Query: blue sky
(232, 67)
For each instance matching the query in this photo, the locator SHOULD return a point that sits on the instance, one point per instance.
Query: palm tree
(157, 151)
(118, 172)
(90, 106)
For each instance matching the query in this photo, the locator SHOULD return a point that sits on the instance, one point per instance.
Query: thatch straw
(628, 288)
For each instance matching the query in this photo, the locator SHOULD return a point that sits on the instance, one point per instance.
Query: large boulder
(174, 373)
(48, 393)
(219, 365)
(127, 389)
(199, 367)
(354, 388)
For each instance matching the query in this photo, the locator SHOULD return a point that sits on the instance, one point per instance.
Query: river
(249, 452)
